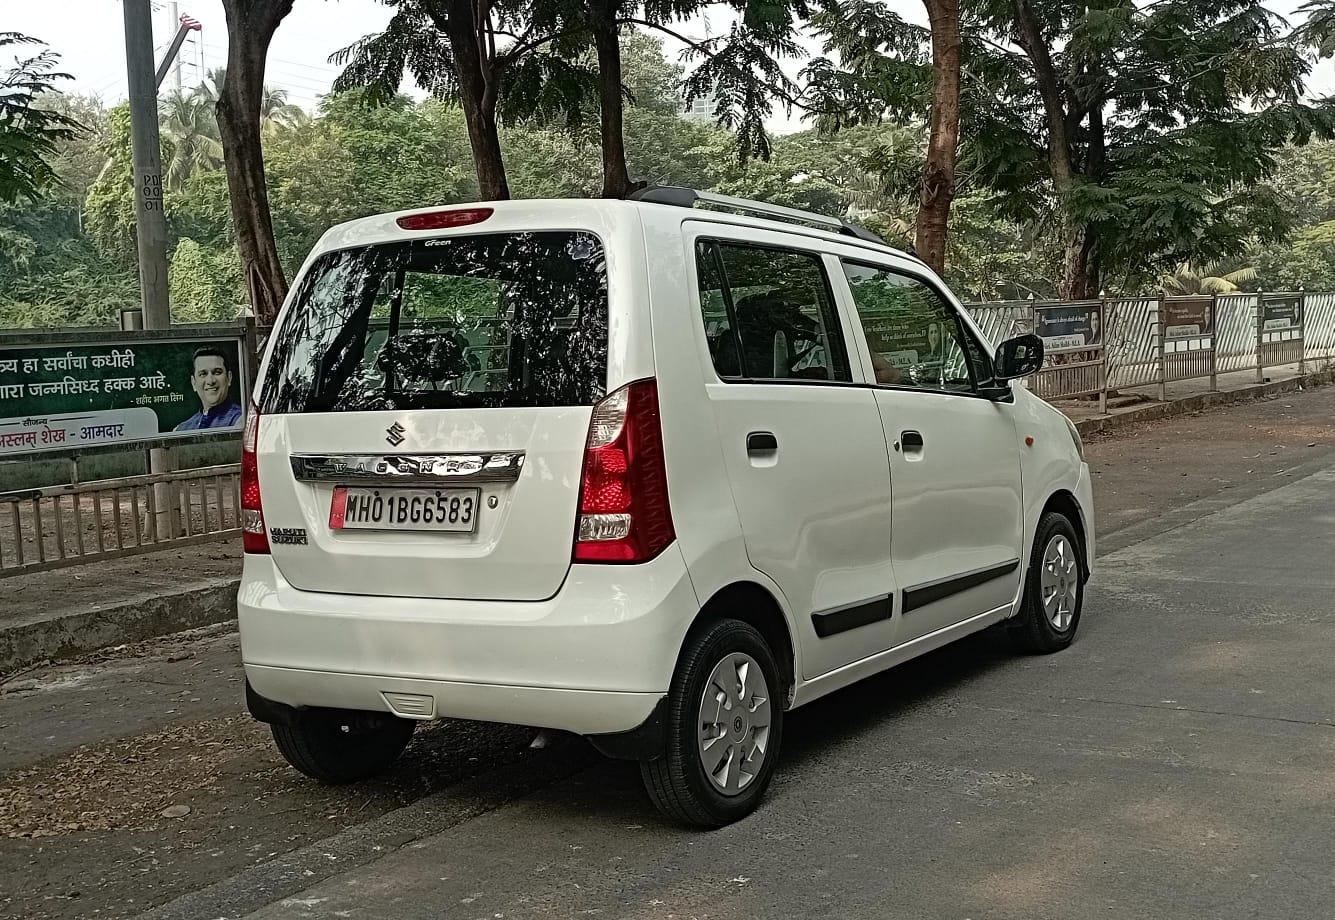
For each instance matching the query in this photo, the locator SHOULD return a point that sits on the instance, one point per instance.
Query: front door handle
(912, 443)
(761, 442)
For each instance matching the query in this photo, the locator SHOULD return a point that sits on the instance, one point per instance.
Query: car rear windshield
(500, 320)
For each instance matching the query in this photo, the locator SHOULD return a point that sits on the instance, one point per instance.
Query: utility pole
(150, 219)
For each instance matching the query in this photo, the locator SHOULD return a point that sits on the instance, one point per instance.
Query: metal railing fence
(1120, 342)
(59, 526)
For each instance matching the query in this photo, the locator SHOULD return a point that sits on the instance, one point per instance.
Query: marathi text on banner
(66, 395)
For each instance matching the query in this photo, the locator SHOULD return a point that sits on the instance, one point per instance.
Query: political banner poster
(72, 396)
(1188, 317)
(1068, 327)
(1281, 311)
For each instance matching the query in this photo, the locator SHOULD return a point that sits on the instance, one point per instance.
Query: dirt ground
(1144, 471)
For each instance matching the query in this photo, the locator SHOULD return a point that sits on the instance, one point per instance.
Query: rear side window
(502, 320)
(768, 314)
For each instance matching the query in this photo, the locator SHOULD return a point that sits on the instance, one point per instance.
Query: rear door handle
(761, 442)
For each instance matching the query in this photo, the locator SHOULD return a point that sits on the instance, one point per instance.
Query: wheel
(337, 748)
(1054, 589)
(724, 726)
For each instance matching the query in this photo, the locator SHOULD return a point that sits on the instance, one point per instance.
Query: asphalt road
(1177, 761)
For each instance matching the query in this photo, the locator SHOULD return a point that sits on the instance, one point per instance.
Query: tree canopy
(29, 134)
(1178, 203)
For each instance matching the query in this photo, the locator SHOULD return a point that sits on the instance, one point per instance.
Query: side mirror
(1018, 357)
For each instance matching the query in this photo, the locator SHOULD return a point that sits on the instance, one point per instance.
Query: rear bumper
(594, 659)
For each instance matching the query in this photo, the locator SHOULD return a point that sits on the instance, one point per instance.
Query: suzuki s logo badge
(394, 434)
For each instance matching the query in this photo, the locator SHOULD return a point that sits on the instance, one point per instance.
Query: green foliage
(109, 209)
(80, 158)
(187, 120)
(875, 66)
(1219, 278)
(356, 161)
(70, 258)
(653, 84)
(1305, 178)
(206, 283)
(742, 72)
(1174, 111)
(1306, 261)
(52, 276)
(29, 133)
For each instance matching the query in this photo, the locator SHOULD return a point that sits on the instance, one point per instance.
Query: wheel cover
(1059, 582)
(734, 723)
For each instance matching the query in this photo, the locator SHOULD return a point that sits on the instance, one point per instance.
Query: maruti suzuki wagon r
(653, 471)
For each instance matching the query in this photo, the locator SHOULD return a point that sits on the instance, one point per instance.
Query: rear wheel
(1054, 588)
(337, 748)
(725, 722)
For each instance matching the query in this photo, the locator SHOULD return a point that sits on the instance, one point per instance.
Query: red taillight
(254, 538)
(443, 220)
(624, 514)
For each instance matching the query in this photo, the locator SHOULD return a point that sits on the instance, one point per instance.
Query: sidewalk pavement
(66, 612)
(1141, 404)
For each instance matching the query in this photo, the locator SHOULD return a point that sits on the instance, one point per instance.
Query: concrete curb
(1201, 401)
(78, 631)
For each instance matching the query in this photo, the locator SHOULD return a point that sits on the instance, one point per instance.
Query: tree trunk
(1080, 271)
(938, 175)
(607, 41)
(468, 27)
(1086, 269)
(1030, 36)
(250, 28)
(1061, 159)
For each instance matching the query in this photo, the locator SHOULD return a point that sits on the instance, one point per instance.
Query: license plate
(453, 510)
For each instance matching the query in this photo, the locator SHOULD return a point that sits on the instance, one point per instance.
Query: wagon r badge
(394, 434)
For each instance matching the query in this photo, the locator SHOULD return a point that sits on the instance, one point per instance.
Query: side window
(913, 334)
(979, 359)
(768, 314)
(719, 331)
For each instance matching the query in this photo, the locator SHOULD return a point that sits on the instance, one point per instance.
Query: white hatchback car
(648, 472)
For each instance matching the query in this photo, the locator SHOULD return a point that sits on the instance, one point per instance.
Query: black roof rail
(687, 197)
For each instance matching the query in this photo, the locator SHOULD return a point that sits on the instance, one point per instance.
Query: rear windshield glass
(503, 320)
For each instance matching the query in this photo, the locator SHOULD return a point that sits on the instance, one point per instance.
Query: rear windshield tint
(502, 320)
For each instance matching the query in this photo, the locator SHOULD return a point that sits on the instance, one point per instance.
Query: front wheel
(724, 725)
(1054, 588)
(342, 747)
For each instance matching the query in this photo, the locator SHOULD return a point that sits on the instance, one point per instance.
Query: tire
(1056, 572)
(337, 748)
(679, 781)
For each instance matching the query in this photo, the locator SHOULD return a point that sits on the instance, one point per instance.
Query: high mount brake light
(443, 220)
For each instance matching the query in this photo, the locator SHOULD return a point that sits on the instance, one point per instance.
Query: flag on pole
(191, 24)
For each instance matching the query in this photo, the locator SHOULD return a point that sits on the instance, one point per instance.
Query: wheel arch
(1065, 503)
(754, 604)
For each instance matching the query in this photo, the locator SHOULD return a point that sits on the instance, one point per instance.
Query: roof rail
(687, 198)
